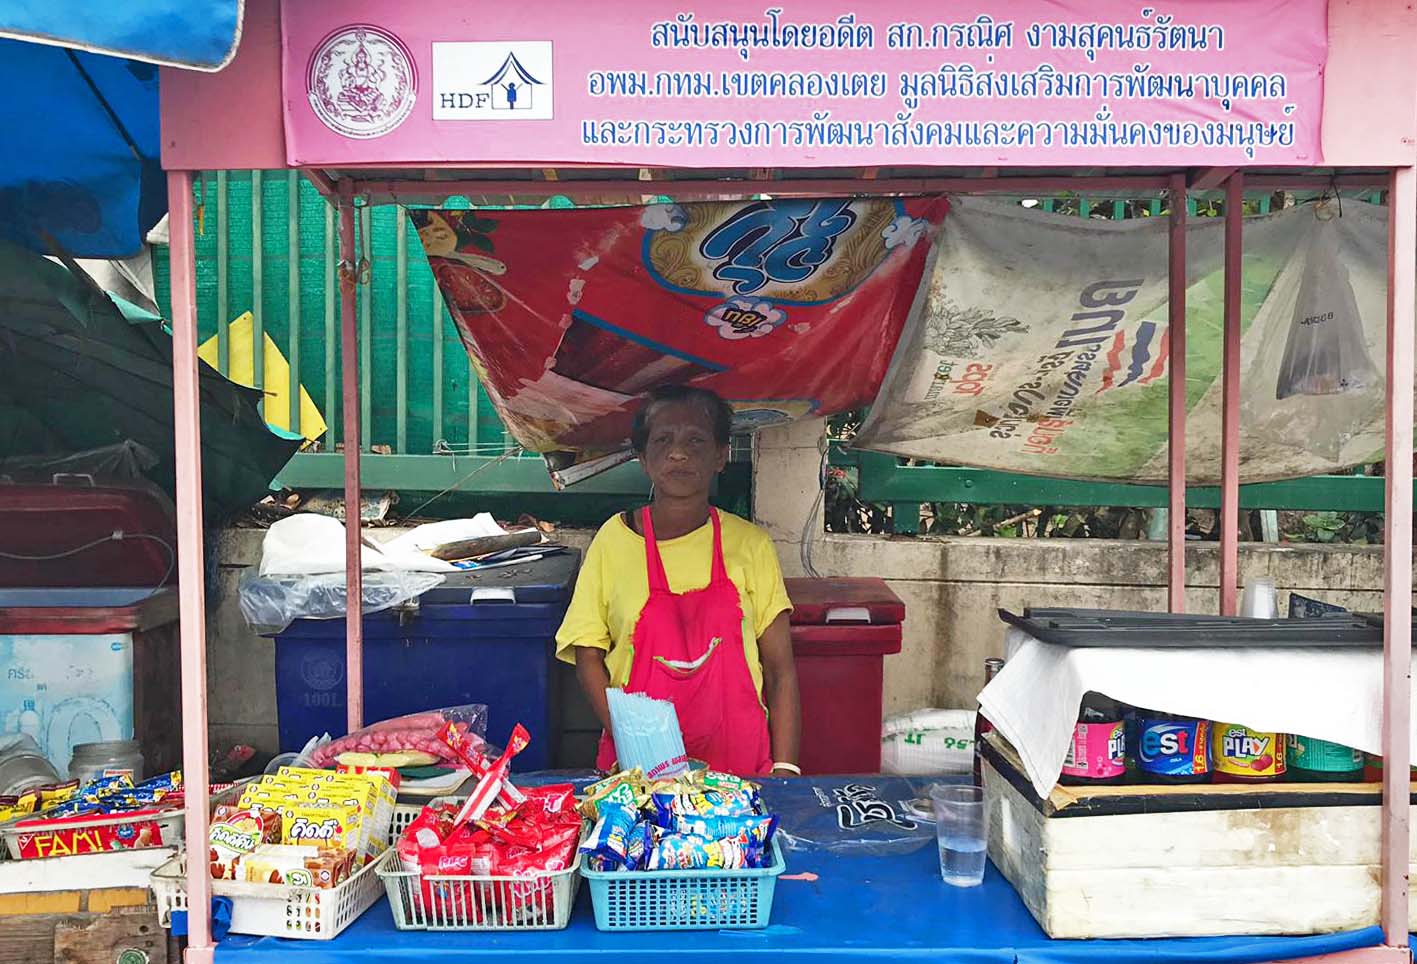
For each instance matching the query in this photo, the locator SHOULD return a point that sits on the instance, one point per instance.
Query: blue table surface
(884, 907)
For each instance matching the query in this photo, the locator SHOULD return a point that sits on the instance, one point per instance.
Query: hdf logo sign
(492, 81)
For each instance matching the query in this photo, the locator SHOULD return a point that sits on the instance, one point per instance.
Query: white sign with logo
(492, 80)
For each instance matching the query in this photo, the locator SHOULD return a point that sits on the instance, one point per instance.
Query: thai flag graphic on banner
(1145, 363)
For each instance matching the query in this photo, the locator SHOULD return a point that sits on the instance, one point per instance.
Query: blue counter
(889, 908)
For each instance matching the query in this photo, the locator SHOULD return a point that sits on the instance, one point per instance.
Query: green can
(1320, 761)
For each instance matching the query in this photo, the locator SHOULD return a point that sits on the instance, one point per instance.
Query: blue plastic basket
(684, 900)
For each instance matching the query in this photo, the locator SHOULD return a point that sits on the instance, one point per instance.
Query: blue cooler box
(482, 637)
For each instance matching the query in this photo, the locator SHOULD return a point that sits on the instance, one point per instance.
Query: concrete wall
(952, 589)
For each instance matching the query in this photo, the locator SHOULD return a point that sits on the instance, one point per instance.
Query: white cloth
(309, 544)
(1328, 694)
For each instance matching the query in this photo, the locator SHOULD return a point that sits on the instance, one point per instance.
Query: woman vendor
(685, 603)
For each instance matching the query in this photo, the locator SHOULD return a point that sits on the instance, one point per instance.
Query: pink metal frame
(191, 573)
(1402, 287)
(1176, 417)
(1230, 395)
(349, 274)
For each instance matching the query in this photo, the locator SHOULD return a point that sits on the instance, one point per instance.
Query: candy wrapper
(521, 842)
(609, 840)
(755, 830)
(674, 851)
(701, 821)
(702, 803)
(627, 788)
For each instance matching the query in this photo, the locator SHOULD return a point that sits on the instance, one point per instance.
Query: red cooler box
(88, 619)
(841, 631)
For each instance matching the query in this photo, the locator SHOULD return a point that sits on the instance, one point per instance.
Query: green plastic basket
(684, 900)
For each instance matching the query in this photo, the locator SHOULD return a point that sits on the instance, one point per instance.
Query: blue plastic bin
(483, 637)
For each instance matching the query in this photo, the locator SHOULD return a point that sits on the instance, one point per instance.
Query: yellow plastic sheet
(276, 377)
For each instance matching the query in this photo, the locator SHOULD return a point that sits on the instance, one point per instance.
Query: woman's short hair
(720, 413)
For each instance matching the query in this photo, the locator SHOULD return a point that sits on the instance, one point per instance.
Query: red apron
(688, 649)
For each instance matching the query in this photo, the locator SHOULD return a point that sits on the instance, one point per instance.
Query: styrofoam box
(81, 687)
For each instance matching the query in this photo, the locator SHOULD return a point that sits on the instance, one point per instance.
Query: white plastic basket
(538, 902)
(274, 910)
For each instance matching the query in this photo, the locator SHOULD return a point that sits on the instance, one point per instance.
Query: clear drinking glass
(1259, 600)
(962, 833)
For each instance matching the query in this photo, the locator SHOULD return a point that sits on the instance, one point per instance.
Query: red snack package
(559, 798)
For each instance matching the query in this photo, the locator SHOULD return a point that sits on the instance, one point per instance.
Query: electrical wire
(117, 536)
(812, 528)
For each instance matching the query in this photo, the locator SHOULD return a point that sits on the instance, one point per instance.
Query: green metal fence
(266, 243)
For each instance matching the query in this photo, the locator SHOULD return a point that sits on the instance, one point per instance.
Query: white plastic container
(275, 910)
(43, 693)
(106, 759)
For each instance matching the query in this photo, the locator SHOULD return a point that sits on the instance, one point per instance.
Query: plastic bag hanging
(1325, 353)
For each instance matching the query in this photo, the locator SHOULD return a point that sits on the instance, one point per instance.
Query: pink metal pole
(1176, 422)
(1230, 404)
(1397, 551)
(353, 556)
(191, 570)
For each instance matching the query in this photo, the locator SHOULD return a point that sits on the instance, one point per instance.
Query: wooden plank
(114, 898)
(105, 939)
(51, 902)
(27, 940)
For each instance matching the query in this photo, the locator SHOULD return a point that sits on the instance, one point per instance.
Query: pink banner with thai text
(806, 84)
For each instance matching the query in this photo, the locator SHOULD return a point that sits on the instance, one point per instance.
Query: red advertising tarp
(787, 308)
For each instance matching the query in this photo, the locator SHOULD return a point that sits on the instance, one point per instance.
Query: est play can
(1242, 755)
(1171, 749)
(1320, 761)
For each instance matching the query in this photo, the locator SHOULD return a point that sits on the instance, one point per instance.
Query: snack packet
(610, 838)
(673, 851)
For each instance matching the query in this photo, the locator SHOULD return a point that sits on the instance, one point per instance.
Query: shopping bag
(1326, 353)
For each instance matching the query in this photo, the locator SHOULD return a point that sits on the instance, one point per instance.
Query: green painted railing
(883, 480)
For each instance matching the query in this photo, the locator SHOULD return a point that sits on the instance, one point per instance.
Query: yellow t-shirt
(613, 586)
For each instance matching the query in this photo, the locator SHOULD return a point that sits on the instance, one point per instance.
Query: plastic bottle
(981, 724)
(1320, 761)
(1172, 749)
(1373, 768)
(1239, 754)
(29, 721)
(1097, 755)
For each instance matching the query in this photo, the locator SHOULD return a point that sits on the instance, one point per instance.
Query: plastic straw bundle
(647, 735)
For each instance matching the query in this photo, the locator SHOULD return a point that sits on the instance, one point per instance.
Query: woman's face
(681, 456)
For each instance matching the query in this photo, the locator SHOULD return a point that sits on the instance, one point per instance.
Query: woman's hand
(594, 678)
(780, 693)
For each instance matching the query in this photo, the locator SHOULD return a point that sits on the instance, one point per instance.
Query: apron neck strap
(658, 581)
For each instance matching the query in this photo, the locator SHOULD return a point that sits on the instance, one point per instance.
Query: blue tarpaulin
(79, 141)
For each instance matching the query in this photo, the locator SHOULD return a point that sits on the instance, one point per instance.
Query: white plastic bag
(928, 742)
(1326, 353)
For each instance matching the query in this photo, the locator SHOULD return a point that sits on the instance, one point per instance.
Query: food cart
(378, 102)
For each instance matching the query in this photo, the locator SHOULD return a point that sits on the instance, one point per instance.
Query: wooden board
(1273, 870)
(104, 939)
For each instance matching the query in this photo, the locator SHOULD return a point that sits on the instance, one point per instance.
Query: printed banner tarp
(787, 308)
(807, 84)
(1042, 346)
